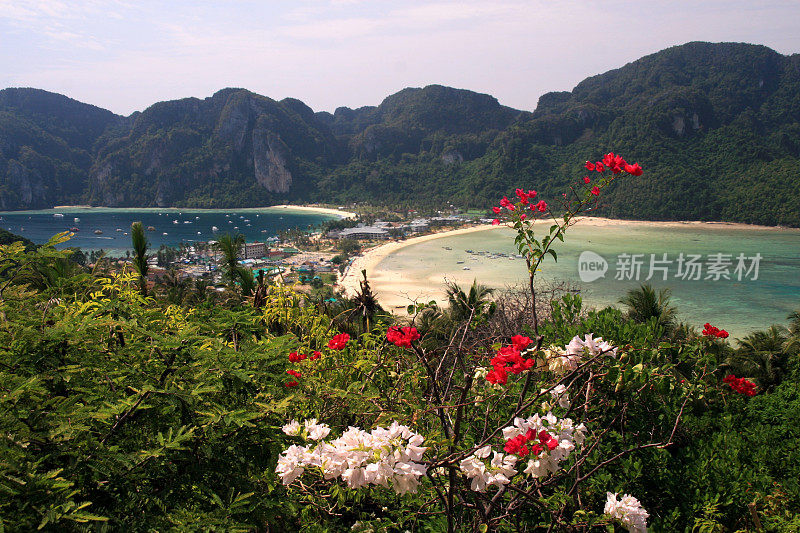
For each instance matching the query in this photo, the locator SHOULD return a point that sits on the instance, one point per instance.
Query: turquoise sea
(170, 226)
(739, 306)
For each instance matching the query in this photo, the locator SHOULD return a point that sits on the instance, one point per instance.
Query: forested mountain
(716, 127)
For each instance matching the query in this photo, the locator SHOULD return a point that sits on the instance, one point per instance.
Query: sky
(125, 55)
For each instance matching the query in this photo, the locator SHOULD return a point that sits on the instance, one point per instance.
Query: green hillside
(716, 127)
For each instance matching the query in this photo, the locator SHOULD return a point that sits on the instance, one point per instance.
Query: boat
(199, 233)
(214, 228)
(150, 228)
(468, 251)
(119, 229)
(447, 248)
(98, 232)
(175, 222)
(236, 227)
(58, 215)
(76, 220)
(197, 218)
(187, 221)
(165, 233)
(465, 268)
(459, 262)
(74, 229)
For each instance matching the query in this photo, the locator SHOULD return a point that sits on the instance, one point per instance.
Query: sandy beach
(395, 290)
(314, 209)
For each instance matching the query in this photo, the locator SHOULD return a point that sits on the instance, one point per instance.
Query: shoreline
(300, 208)
(372, 257)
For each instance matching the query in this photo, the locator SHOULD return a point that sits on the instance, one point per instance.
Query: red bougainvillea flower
(519, 445)
(541, 206)
(711, 331)
(589, 165)
(523, 196)
(599, 166)
(295, 357)
(315, 355)
(586, 179)
(505, 202)
(523, 216)
(608, 159)
(402, 337)
(740, 385)
(495, 222)
(520, 342)
(339, 341)
(508, 359)
(291, 384)
(294, 373)
(595, 191)
(497, 375)
(634, 169)
(496, 210)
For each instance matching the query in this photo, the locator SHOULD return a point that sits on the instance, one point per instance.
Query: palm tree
(645, 304)
(140, 245)
(761, 356)
(365, 304)
(229, 246)
(792, 344)
(235, 273)
(176, 286)
(476, 304)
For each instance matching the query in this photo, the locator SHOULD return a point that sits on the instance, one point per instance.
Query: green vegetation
(716, 125)
(125, 412)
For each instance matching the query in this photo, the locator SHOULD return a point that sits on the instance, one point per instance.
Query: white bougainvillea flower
(628, 511)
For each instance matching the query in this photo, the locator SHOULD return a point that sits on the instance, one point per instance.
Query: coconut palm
(140, 245)
(176, 285)
(365, 304)
(233, 272)
(761, 356)
(475, 304)
(645, 303)
(792, 344)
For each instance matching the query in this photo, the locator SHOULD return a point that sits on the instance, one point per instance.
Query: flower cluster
(616, 164)
(383, 456)
(295, 357)
(711, 331)
(313, 430)
(557, 438)
(628, 511)
(561, 361)
(339, 341)
(543, 441)
(509, 359)
(741, 385)
(524, 200)
(497, 472)
(560, 396)
(402, 337)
